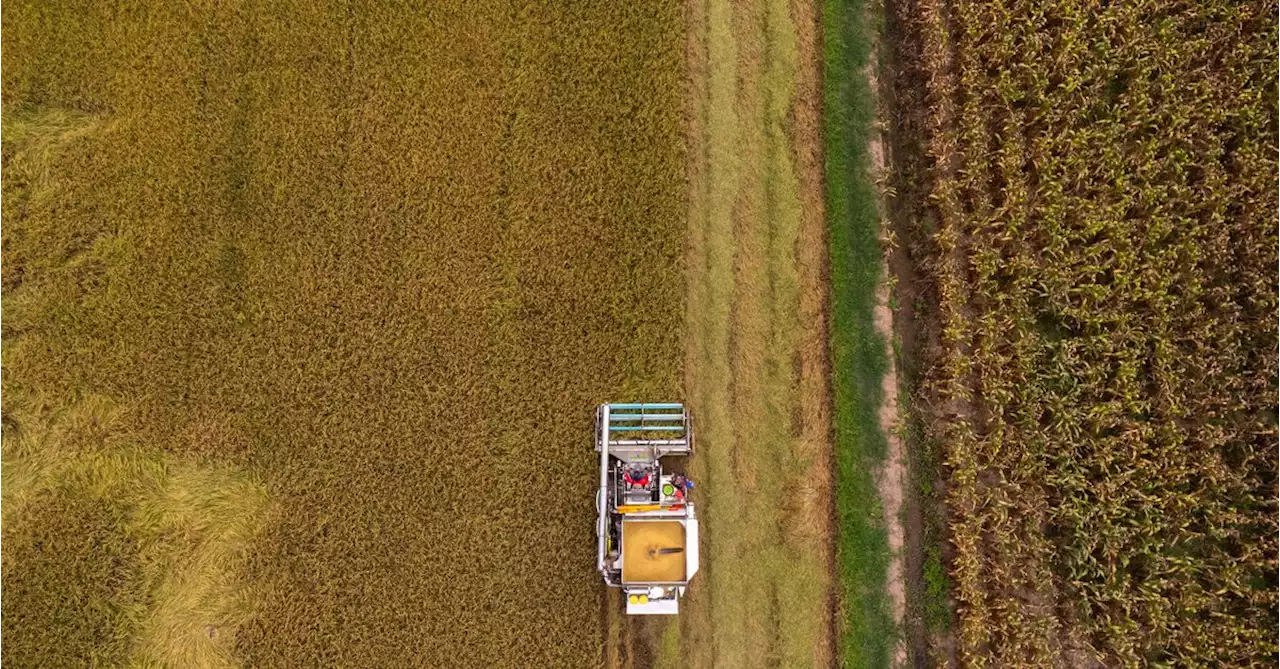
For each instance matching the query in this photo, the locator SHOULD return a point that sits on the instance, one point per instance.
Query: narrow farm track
(892, 476)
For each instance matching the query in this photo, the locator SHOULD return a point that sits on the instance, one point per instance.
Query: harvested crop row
(754, 345)
(386, 260)
(1102, 244)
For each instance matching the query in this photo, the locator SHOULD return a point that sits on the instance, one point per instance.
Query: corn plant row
(1103, 253)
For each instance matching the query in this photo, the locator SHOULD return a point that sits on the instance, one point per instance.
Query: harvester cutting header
(647, 529)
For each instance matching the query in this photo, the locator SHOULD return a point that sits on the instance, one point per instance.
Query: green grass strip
(867, 632)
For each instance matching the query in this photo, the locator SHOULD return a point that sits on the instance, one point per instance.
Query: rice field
(305, 309)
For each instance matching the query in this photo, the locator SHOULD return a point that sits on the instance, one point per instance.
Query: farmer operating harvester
(647, 529)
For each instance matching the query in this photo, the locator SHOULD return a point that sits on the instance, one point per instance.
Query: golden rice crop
(383, 258)
(1101, 239)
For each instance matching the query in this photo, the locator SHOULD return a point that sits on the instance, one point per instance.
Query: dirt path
(892, 479)
(926, 631)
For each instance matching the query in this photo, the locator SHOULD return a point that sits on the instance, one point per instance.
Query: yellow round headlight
(644, 599)
(634, 599)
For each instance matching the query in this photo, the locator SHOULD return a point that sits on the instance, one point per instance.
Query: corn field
(1101, 237)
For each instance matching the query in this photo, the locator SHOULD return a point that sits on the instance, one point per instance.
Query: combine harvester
(647, 529)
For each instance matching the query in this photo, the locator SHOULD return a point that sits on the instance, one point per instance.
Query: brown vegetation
(1101, 246)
